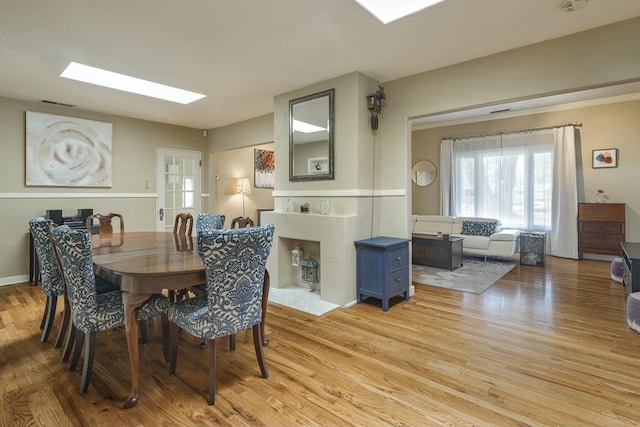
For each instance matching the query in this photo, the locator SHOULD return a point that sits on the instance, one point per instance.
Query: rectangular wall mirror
(311, 137)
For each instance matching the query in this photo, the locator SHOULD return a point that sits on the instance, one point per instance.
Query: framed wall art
(264, 168)
(604, 158)
(67, 152)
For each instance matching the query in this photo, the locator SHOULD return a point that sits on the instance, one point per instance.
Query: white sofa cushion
(475, 242)
(505, 235)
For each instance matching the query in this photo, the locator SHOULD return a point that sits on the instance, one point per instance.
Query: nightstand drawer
(397, 258)
(397, 281)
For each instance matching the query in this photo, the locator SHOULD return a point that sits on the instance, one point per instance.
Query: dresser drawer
(600, 243)
(601, 212)
(602, 227)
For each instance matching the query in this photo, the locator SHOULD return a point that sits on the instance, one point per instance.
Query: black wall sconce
(374, 104)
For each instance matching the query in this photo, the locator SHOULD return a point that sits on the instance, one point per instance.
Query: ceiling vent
(571, 5)
(46, 101)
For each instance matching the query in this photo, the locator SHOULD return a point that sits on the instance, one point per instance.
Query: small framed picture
(605, 158)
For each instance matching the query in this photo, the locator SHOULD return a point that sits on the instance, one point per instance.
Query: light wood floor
(543, 346)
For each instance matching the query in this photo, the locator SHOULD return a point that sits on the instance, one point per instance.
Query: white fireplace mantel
(335, 234)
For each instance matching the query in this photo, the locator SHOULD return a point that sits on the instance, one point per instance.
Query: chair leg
(64, 326)
(212, 371)
(257, 343)
(87, 368)
(142, 335)
(68, 346)
(173, 341)
(49, 317)
(232, 342)
(44, 314)
(165, 338)
(77, 348)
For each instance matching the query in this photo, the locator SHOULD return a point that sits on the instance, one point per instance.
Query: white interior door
(179, 176)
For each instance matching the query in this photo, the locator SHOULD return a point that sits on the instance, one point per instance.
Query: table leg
(265, 297)
(131, 306)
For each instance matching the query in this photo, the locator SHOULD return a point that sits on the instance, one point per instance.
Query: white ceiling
(242, 53)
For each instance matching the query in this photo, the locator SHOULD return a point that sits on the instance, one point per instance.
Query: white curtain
(506, 176)
(527, 179)
(446, 187)
(563, 238)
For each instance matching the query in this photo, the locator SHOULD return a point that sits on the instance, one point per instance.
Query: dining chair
(183, 224)
(50, 276)
(52, 280)
(241, 222)
(204, 222)
(105, 225)
(208, 221)
(235, 264)
(92, 312)
(104, 228)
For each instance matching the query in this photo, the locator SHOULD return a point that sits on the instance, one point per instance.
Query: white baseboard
(14, 280)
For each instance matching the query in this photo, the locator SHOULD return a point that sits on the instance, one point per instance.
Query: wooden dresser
(601, 228)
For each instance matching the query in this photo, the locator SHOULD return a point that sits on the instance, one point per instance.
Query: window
(505, 176)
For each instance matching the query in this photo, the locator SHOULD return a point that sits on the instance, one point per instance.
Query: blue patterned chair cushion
(155, 305)
(90, 311)
(235, 261)
(52, 284)
(209, 221)
(478, 228)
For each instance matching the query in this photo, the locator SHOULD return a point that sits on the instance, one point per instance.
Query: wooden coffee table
(436, 251)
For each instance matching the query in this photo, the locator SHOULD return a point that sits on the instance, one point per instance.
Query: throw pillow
(478, 228)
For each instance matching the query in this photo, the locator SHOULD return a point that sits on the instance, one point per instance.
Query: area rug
(475, 276)
(301, 299)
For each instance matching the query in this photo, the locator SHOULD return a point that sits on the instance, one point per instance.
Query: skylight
(100, 77)
(390, 10)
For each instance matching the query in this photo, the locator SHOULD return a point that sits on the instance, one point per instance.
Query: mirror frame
(415, 169)
(330, 93)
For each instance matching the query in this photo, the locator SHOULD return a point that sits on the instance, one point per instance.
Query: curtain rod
(477, 135)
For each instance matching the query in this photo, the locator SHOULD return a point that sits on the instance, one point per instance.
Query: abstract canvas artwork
(67, 152)
(264, 167)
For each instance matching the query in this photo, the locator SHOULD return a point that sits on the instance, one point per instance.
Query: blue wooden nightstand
(383, 268)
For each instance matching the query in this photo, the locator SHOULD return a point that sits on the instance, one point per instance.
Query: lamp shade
(243, 187)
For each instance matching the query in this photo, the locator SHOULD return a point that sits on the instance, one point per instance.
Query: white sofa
(482, 236)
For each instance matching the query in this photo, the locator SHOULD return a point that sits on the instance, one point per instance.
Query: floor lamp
(243, 187)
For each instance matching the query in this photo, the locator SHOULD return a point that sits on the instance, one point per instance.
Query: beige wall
(134, 161)
(234, 144)
(228, 166)
(614, 125)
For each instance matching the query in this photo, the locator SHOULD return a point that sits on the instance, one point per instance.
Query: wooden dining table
(145, 263)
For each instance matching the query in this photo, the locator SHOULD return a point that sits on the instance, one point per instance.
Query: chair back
(183, 224)
(235, 262)
(241, 222)
(52, 284)
(104, 220)
(209, 221)
(75, 253)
